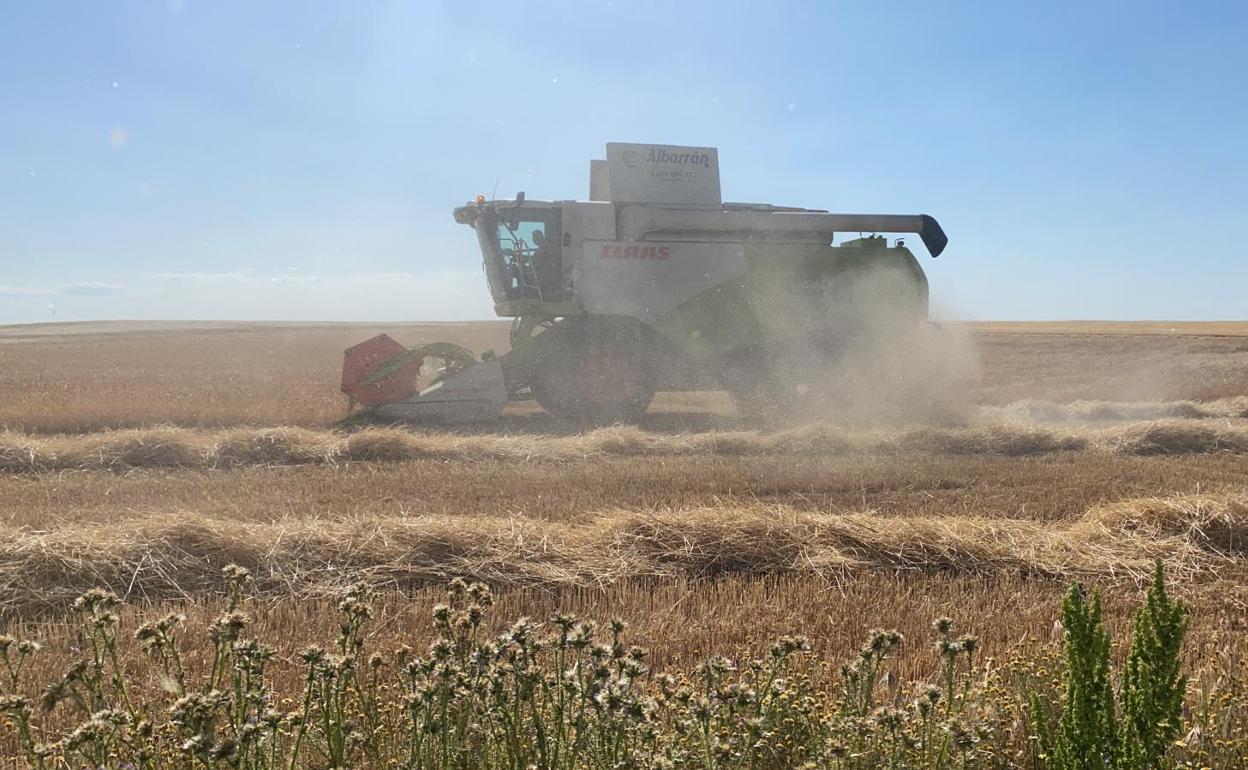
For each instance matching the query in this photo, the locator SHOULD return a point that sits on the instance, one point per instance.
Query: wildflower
(272, 719)
(962, 736)
(787, 645)
(53, 694)
(943, 625)
(147, 635)
(84, 734)
(111, 717)
(196, 708)
(440, 649)
(582, 635)
(480, 594)
(312, 655)
(520, 631)
(235, 573)
(96, 598)
(719, 666)
(228, 626)
(949, 648)
(105, 619)
(881, 642)
(14, 704)
(355, 608)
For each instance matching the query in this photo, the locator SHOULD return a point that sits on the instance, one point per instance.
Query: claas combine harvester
(654, 284)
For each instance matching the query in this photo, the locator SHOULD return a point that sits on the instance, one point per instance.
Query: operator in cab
(546, 264)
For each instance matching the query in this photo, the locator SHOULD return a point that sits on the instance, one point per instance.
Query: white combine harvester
(653, 284)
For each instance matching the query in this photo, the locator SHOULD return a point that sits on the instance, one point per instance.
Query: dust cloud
(860, 351)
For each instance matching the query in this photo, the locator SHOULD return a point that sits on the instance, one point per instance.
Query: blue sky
(195, 159)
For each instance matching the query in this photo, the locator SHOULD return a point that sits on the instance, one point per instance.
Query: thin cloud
(90, 289)
(232, 275)
(24, 291)
(74, 289)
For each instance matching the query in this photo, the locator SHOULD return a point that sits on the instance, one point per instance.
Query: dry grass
(1007, 440)
(125, 450)
(146, 460)
(1178, 437)
(174, 555)
(274, 446)
(1032, 410)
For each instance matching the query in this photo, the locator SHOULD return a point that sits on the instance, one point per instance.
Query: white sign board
(663, 173)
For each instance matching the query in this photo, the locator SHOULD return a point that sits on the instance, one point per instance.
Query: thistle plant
(570, 694)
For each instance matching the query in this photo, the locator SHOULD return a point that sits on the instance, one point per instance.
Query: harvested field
(176, 555)
(145, 459)
(76, 378)
(125, 450)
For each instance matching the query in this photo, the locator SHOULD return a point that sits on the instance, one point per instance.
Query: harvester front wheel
(592, 371)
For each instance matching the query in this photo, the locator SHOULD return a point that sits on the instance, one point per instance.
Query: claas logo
(634, 251)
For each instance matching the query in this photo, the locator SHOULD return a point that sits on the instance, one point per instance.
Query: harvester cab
(655, 283)
(522, 250)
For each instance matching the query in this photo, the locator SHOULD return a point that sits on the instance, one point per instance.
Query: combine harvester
(655, 284)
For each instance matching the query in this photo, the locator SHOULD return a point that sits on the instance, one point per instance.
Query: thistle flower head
(96, 599)
(234, 573)
(480, 594)
(228, 626)
(312, 655)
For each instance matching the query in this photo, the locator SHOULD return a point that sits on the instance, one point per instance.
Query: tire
(594, 371)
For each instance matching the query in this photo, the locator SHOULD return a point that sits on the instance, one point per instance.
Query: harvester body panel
(649, 280)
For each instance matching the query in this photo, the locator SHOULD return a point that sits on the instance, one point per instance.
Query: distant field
(85, 377)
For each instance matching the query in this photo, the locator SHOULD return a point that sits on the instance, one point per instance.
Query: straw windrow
(179, 554)
(177, 448)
